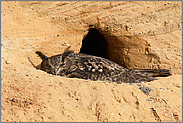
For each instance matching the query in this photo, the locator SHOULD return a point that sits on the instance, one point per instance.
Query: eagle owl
(78, 65)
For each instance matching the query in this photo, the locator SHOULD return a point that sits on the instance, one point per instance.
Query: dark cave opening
(127, 51)
(94, 43)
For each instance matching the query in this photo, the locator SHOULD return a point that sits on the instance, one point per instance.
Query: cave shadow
(94, 43)
(99, 43)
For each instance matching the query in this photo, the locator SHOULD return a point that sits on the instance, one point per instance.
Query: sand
(32, 95)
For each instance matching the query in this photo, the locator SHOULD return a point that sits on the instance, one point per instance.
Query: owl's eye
(63, 64)
(49, 66)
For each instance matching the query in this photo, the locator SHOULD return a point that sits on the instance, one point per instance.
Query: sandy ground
(31, 95)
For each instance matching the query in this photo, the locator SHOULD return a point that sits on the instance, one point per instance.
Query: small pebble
(150, 99)
(175, 114)
(162, 89)
(146, 53)
(159, 105)
(144, 89)
(7, 62)
(60, 82)
(154, 50)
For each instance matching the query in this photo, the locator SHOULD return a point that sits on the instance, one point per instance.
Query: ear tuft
(67, 51)
(41, 55)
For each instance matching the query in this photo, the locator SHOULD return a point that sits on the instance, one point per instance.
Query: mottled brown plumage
(75, 65)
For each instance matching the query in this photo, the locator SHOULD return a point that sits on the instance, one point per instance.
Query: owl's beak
(56, 71)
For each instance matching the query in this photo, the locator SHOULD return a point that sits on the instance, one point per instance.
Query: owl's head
(55, 64)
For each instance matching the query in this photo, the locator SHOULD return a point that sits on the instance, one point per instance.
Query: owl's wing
(97, 68)
(129, 77)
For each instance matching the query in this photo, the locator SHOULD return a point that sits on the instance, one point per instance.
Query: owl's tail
(138, 75)
(151, 72)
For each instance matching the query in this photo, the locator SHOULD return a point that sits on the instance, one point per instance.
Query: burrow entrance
(95, 43)
(127, 51)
